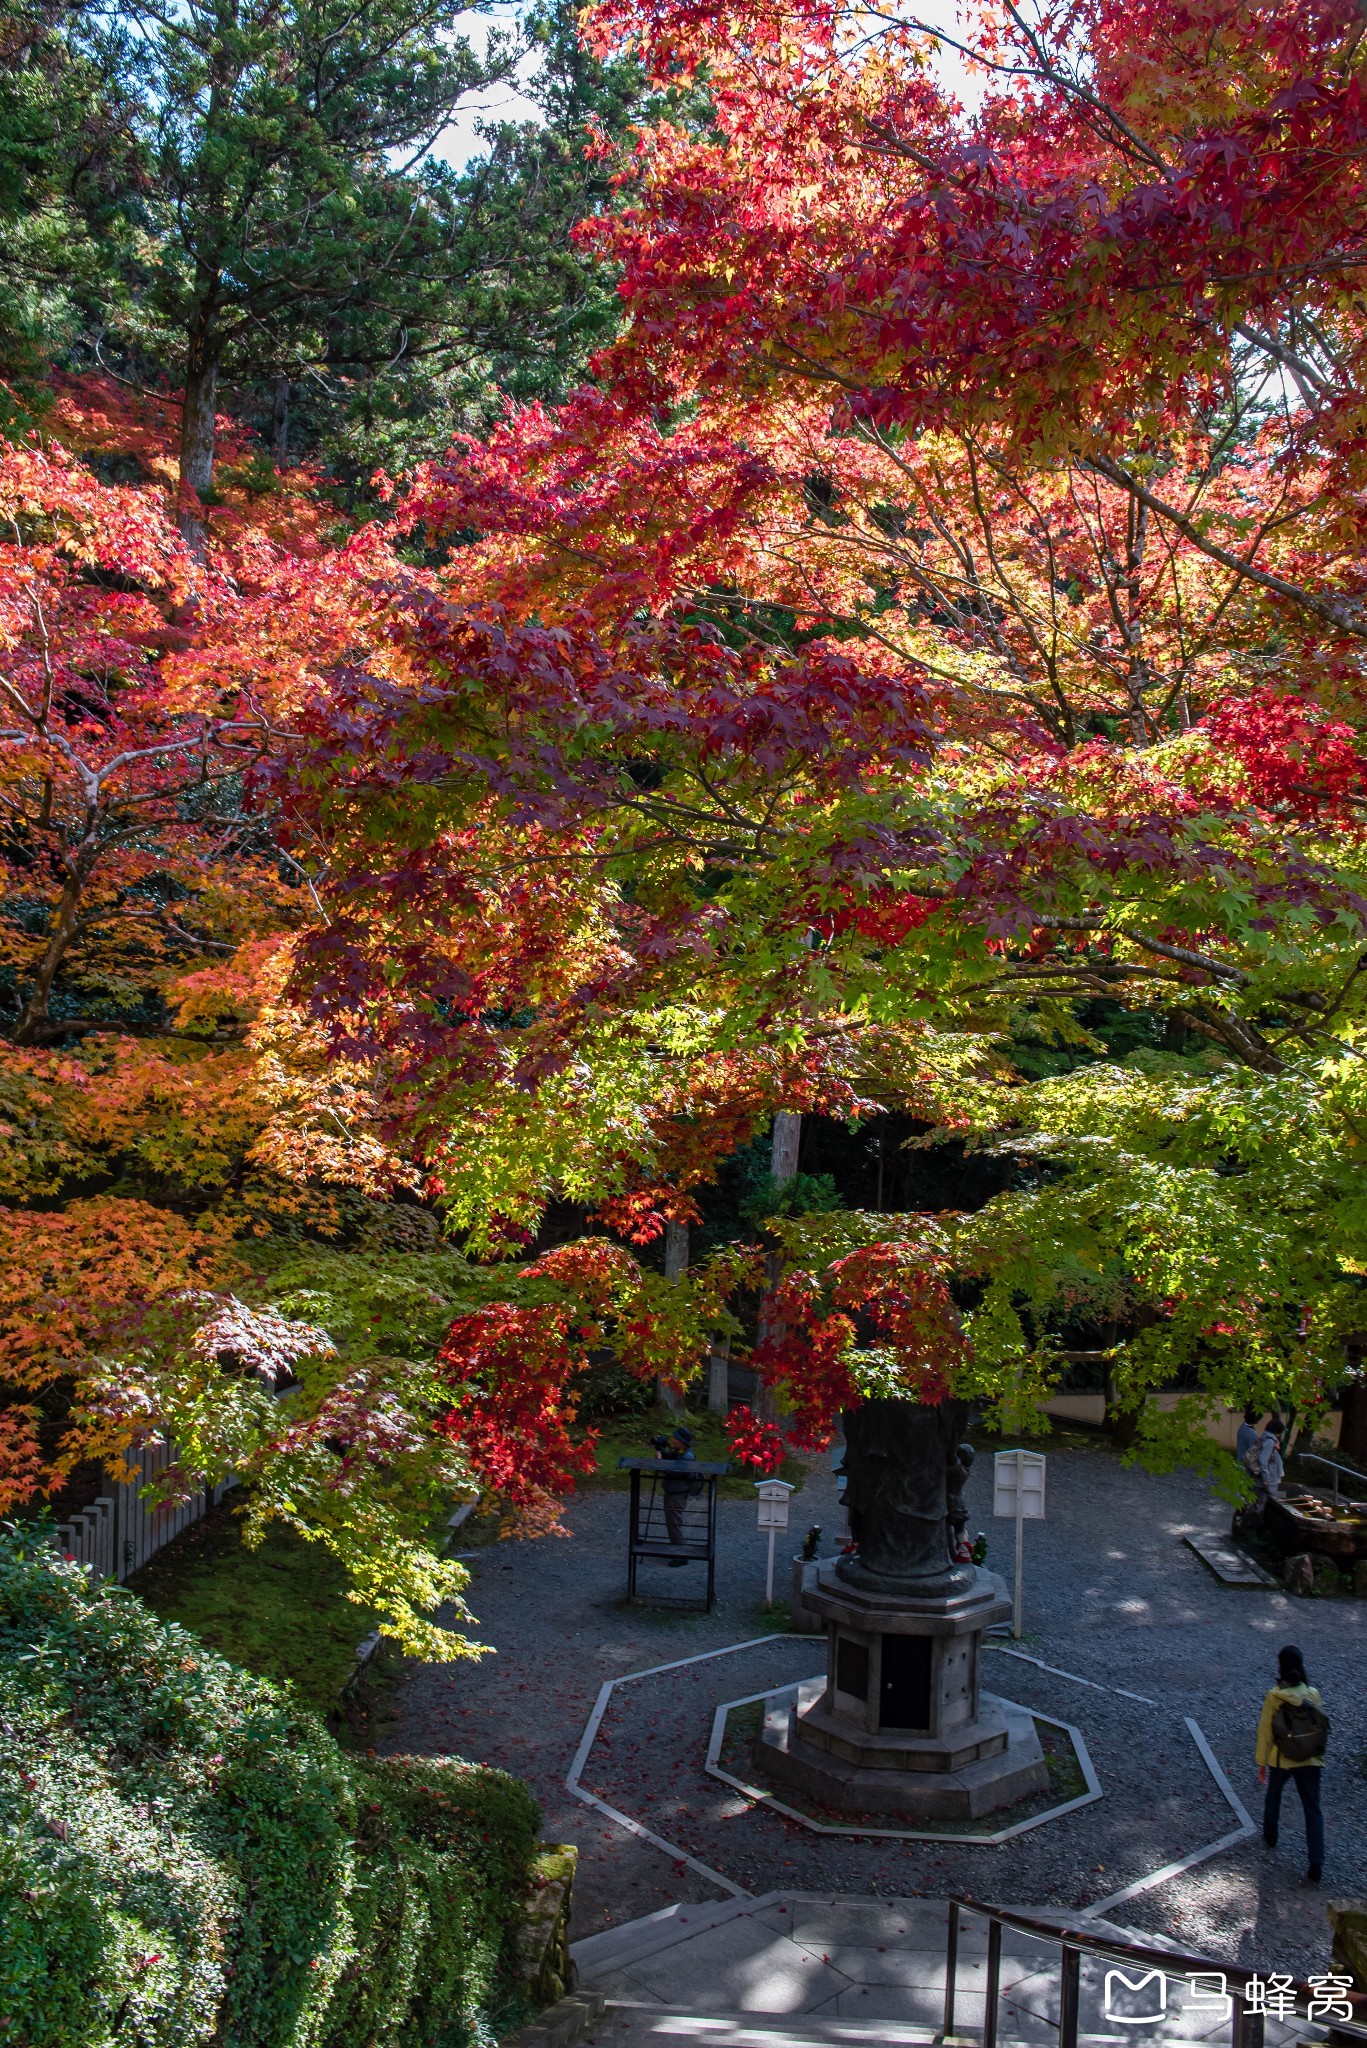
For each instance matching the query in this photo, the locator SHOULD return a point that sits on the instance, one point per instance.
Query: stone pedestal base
(899, 1725)
(960, 1776)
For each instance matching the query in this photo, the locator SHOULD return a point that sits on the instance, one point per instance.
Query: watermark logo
(1208, 1993)
(1329, 2000)
(1141, 1999)
(1135, 2001)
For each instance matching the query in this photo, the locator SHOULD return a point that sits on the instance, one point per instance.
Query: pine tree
(290, 187)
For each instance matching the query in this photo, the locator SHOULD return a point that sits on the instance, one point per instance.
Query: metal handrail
(1314, 1458)
(1246, 2027)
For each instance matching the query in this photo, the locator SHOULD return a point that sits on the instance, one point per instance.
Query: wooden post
(783, 1157)
(676, 1265)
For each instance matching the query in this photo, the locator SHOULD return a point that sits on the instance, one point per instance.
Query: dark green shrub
(607, 1388)
(185, 1857)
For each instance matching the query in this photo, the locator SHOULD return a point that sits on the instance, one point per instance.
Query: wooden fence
(120, 1531)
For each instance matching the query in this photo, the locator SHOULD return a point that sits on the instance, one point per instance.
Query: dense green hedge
(186, 1857)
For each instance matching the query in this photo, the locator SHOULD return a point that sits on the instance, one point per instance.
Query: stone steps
(815, 1961)
(1230, 1566)
(597, 1955)
(623, 2025)
(826, 1970)
(643, 2026)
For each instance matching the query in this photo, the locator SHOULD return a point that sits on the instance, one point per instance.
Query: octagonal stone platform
(918, 1777)
(899, 1725)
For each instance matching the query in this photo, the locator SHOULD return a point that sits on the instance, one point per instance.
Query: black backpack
(1300, 1730)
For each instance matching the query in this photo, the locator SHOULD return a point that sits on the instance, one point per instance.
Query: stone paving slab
(916, 1925)
(910, 1923)
(735, 1968)
(1229, 1565)
(630, 2026)
(617, 1948)
(625, 2026)
(919, 1967)
(869, 1958)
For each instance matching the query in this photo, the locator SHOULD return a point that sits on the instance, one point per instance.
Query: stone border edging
(1245, 1828)
(1246, 1825)
(624, 1820)
(821, 1827)
(561, 2023)
(738, 1892)
(1057, 1671)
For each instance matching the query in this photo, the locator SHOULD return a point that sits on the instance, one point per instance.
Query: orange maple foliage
(145, 912)
(72, 1282)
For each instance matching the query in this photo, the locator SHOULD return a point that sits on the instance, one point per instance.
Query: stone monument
(900, 1725)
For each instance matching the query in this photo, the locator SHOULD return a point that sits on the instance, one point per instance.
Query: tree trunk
(1353, 1428)
(196, 451)
(719, 1378)
(783, 1157)
(1121, 1424)
(1138, 678)
(280, 424)
(770, 1331)
(786, 1141)
(32, 1027)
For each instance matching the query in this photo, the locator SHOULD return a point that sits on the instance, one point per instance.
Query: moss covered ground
(280, 1611)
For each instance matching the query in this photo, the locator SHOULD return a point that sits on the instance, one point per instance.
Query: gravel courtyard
(1111, 1594)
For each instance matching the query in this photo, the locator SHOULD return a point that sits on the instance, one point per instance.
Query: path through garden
(1112, 1597)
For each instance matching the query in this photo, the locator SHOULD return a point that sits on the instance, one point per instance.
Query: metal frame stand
(647, 1533)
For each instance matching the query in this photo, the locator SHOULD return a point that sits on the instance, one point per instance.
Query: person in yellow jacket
(1305, 1772)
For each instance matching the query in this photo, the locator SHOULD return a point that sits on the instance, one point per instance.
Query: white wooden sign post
(773, 1516)
(1018, 1491)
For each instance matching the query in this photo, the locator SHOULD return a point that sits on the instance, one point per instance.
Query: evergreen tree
(65, 172)
(291, 193)
(525, 304)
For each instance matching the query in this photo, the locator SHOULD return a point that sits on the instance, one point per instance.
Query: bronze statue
(905, 1469)
(960, 1464)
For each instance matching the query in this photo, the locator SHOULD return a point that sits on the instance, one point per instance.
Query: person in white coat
(1271, 1470)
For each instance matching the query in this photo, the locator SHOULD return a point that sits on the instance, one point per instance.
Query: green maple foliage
(294, 211)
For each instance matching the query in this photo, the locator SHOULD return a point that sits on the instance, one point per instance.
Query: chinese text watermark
(1139, 1999)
